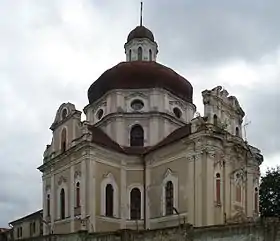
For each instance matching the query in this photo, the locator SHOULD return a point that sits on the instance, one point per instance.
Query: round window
(99, 114)
(177, 112)
(137, 104)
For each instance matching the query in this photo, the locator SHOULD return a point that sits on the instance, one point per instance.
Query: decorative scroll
(61, 180)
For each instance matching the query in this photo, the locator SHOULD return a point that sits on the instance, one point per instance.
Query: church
(144, 158)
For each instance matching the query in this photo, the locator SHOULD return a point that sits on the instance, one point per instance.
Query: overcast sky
(51, 51)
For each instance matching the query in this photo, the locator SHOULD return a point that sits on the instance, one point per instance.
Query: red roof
(140, 75)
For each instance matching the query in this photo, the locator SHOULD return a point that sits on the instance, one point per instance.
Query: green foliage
(270, 193)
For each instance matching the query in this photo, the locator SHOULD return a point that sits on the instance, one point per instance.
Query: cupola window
(140, 53)
(129, 57)
(150, 55)
(99, 114)
(137, 105)
(137, 136)
(177, 112)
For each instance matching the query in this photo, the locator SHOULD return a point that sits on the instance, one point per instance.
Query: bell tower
(141, 45)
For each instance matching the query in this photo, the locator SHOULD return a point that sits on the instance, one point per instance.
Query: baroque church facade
(143, 158)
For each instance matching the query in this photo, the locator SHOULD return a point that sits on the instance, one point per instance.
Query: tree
(270, 193)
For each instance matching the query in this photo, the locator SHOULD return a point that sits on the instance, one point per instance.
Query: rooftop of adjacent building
(38, 213)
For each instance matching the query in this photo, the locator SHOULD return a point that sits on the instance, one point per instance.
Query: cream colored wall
(156, 117)
(25, 225)
(102, 171)
(62, 227)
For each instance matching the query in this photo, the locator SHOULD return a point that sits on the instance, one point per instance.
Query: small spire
(141, 14)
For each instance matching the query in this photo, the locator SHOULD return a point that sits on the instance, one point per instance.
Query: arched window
(48, 205)
(109, 200)
(218, 188)
(150, 55)
(64, 114)
(137, 136)
(140, 53)
(215, 119)
(237, 131)
(62, 203)
(169, 198)
(130, 53)
(63, 140)
(238, 194)
(256, 200)
(135, 204)
(78, 204)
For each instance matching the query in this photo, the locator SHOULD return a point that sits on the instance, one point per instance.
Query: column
(147, 201)
(72, 198)
(83, 191)
(45, 228)
(191, 189)
(92, 196)
(198, 187)
(123, 189)
(53, 202)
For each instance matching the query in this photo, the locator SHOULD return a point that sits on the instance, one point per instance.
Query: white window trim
(129, 189)
(169, 176)
(64, 186)
(109, 179)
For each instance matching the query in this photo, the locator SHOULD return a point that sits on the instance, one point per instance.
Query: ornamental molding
(239, 176)
(77, 174)
(61, 180)
(177, 103)
(136, 94)
(99, 105)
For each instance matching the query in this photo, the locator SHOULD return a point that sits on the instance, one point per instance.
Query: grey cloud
(208, 32)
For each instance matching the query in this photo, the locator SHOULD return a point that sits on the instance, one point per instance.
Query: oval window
(177, 112)
(99, 114)
(137, 104)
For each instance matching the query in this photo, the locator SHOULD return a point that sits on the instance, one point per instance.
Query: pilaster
(52, 201)
(72, 198)
(123, 189)
(147, 200)
(92, 195)
(83, 192)
(45, 228)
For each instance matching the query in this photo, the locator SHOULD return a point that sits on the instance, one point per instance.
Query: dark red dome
(140, 32)
(140, 75)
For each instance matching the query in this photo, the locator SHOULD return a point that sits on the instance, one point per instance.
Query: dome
(140, 75)
(140, 32)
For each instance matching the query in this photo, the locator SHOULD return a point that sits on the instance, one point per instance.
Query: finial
(141, 14)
